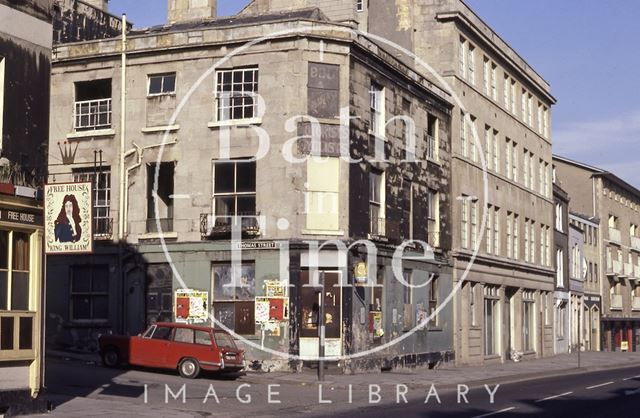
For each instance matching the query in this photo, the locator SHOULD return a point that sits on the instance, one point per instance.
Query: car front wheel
(111, 357)
(189, 368)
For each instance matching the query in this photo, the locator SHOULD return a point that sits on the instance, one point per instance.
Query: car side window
(149, 332)
(183, 335)
(161, 333)
(203, 338)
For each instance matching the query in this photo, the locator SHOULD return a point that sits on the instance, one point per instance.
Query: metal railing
(616, 301)
(102, 228)
(219, 226)
(615, 267)
(166, 225)
(92, 114)
(615, 235)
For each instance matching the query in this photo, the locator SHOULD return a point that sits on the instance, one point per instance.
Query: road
(79, 390)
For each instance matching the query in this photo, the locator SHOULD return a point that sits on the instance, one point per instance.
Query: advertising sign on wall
(191, 306)
(68, 218)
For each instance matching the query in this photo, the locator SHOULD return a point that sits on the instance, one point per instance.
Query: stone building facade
(561, 296)
(592, 304)
(25, 65)
(501, 234)
(601, 195)
(173, 201)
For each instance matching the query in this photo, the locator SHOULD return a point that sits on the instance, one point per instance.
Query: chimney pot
(186, 10)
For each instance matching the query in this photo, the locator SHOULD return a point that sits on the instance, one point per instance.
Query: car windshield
(224, 340)
(149, 331)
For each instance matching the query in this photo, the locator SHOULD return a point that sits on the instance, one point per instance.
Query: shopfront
(21, 290)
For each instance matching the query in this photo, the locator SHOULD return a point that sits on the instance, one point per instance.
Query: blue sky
(586, 49)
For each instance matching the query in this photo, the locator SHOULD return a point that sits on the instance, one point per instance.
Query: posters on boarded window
(191, 306)
(68, 218)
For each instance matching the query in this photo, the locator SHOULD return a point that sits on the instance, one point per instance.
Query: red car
(169, 346)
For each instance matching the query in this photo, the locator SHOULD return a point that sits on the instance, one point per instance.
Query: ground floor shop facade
(500, 312)
(620, 334)
(21, 292)
(270, 299)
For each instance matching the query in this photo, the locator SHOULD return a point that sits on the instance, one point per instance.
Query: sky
(586, 49)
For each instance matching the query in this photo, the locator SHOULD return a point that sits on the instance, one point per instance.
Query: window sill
(155, 235)
(435, 329)
(91, 134)
(156, 95)
(434, 161)
(238, 122)
(322, 232)
(166, 128)
(493, 357)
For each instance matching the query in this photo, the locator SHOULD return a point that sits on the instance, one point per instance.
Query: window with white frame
(531, 171)
(464, 139)
(532, 247)
(489, 227)
(545, 122)
(494, 81)
(465, 221)
(474, 224)
(506, 92)
(161, 84)
(507, 158)
(540, 128)
(543, 242)
(472, 65)
(514, 161)
(559, 217)
(559, 268)
(527, 251)
(433, 300)
(359, 5)
(236, 94)
(92, 109)
(513, 97)
(472, 304)
(530, 109)
(525, 174)
(377, 120)
(486, 75)
(102, 222)
(523, 105)
(509, 235)
(516, 237)
(433, 217)
(473, 144)
(541, 182)
(234, 191)
(496, 231)
(496, 151)
(431, 137)
(488, 135)
(377, 203)
(462, 57)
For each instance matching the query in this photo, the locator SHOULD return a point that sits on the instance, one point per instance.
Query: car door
(151, 349)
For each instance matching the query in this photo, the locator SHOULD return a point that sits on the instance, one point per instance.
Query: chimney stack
(185, 10)
(99, 4)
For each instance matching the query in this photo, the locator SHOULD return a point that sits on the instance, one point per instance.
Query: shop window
(433, 301)
(89, 293)
(233, 299)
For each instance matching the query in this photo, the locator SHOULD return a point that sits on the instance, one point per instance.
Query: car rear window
(224, 340)
(183, 335)
(203, 338)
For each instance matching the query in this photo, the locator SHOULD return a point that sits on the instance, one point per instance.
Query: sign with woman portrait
(68, 218)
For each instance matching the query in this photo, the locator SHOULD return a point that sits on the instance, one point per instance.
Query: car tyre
(189, 368)
(111, 357)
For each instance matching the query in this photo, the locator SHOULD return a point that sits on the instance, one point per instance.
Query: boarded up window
(322, 202)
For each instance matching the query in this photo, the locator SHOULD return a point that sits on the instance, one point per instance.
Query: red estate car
(169, 346)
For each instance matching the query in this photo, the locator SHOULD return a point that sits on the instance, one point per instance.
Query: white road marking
(495, 413)
(633, 377)
(600, 385)
(554, 397)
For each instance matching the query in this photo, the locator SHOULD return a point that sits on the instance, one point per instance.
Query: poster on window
(191, 306)
(68, 218)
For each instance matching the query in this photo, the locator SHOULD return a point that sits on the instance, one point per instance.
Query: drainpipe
(123, 121)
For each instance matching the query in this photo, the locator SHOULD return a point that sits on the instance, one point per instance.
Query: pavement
(78, 386)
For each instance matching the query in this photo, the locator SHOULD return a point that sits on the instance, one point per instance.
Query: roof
(599, 172)
(309, 14)
(594, 220)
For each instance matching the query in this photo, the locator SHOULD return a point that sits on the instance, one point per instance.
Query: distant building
(25, 65)
(615, 203)
(84, 20)
(562, 308)
(578, 311)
